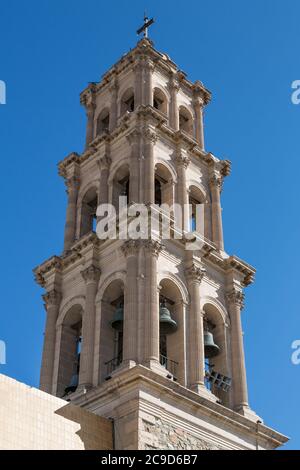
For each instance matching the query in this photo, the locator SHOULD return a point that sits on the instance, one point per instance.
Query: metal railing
(169, 364)
(112, 364)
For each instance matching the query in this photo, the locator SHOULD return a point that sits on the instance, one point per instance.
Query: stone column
(91, 276)
(70, 226)
(104, 165)
(149, 176)
(198, 106)
(52, 303)
(196, 336)
(138, 83)
(90, 112)
(148, 87)
(113, 106)
(216, 211)
(182, 190)
(134, 141)
(130, 250)
(151, 326)
(235, 299)
(173, 108)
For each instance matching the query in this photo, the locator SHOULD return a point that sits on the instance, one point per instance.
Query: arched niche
(173, 346)
(119, 183)
(215, 320)
(127, 104)
(103, 122)
(186, 123)
(197, 202)
(69, 332)
(88, 208)
(160, 100)
(110, 347)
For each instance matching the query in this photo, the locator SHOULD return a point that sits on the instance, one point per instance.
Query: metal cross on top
(144, 28)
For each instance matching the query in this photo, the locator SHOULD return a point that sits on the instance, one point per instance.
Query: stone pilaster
(173, 108)
(235, 300)
(70, 226)
(151, 324)
(182, 190)
(91, 276)
(52, 303)
(216, 211)
(113, 106)
(134, 139)
(130, 250)
(148, 87)
(138, 83)
(150, 139)
(104, 165)
(198, 107)
(194, 276)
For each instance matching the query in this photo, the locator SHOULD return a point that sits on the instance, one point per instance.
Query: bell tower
(146, 330)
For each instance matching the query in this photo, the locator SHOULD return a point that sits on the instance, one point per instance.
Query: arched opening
(160, 101)
(186, 121)
(103, 122)
(216, 354)
(111, 329)
(127, 102)
(197, 210)
(172, 330)
(121, 186)
(69, 353)
(88, 219)
(163, 185)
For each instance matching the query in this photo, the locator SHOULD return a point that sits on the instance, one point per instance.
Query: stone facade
(32, 419)
(165, 436)
(145, 139)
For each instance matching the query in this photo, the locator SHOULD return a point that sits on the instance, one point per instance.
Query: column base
(155, 365)
(201, 390)
(248, 413)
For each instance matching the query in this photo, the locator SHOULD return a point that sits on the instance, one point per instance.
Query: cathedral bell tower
(144, 330)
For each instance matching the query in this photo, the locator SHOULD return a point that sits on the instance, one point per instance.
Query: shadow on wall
(96, 432)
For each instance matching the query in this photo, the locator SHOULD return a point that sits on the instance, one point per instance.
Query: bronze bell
(117, 321)
(166, 324)
(211, 349)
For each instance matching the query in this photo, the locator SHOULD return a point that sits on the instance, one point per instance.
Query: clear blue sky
(246, 53)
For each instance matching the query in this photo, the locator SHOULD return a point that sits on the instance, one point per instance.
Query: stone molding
(195, 273)
(52, 298)
(236, 297)
(91, 274)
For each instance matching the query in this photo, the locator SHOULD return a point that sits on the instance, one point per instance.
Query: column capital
(52, 298)
(91, 274)
(216, 181)
(236, 297)
(152, 246)
(195, 273)
(130, 247)
(198, 102)
(173, 83)
(114, 86)
(149, 135)
(104, 162)
(72, 183)
(182, 160)
(149, 65)
(133, 136)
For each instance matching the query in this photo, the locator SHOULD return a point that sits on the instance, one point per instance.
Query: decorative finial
(144, 28)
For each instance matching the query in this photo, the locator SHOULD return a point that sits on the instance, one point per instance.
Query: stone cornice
(59, 263)
(232, 263)
(145, 50)
(127, 125)
(140, 377)
(52, 264)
